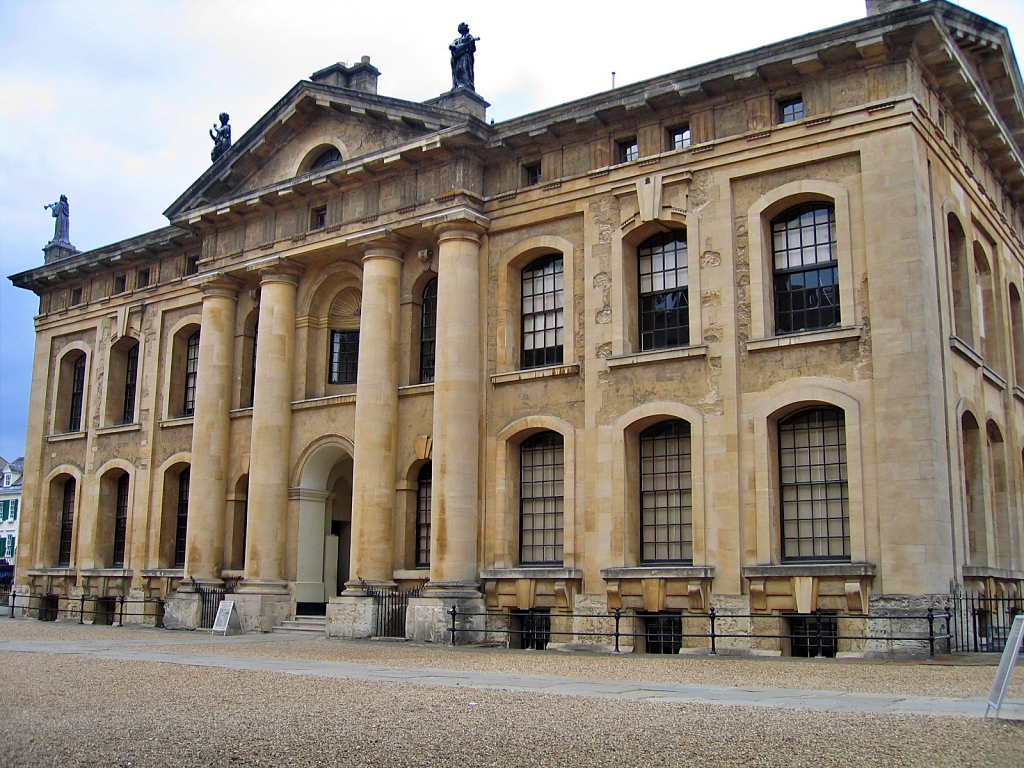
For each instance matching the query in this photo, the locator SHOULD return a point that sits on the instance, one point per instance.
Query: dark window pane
(541, 493)
(423, 504)
(131, 369)
(542, 318)
(330, 156)
(666, 503)
(191, 373)
(806, 270)
(77, 393)
(343, 359)
(181, 529)
(664, 291)
(67, 524)
(428, 331)
(120, 522)
(792, 110)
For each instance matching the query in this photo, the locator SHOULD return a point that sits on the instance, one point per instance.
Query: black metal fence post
(817, 620)
(618, 618)
(120, 613)
(712, 615)
(453, 613)
(81, 611)
(931, 633)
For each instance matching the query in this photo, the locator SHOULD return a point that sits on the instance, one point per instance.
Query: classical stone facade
(747, 335)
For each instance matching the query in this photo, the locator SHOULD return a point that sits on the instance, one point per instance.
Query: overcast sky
(110, 102)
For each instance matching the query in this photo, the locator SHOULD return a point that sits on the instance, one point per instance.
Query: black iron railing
(391, 609)
(108, 610)
(209, 602)
(816, 634)
(982, 624)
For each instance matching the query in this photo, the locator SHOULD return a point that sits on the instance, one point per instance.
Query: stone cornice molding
(381, 242)
(460, 223)
(217, 284)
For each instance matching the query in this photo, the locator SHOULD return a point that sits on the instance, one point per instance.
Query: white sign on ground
(227, 621)
(1006, 664)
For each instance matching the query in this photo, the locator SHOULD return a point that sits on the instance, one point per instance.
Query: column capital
(460, 223)
(217, 284)
(380, 243)
(276, 269)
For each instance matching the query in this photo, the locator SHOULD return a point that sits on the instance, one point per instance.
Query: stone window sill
(984, 572)
(320, 402)
(539, 572)
(966, 351)
(551, 371)
(657, 356)
(163, 573)
(110, 572)
(411, 574)
(660, 572)
(52, 572)
(133, 427)
(1018, 392)
(240, 413)
(181, 421)
(789, 570)
(807, 337)
(993, 378)
(416, 389)
(65, 437)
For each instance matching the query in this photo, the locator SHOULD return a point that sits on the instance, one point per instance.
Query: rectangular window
(666, 494)
(531, 174)
(543, 297)
(67, 524)
(181, 529)
(530, 630)
(120, 282)
(423, 504)
(663, 633)
(191, 374)
(4, 511)
(541, 468)
(10, 546)
(76, 297)
(192, 265)
(806, 269)
(680, 137)
(318, 217)
(343, 357)
(14, 509)
(428, 332)
(142, 278)
(791, 110)
(814, 636)
(131, 369)
(628, 151)
(664, 291)
(77, 393)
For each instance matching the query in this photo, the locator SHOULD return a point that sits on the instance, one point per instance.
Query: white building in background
(10, 504)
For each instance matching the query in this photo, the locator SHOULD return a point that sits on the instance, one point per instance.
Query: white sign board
(1006, 664)
(227, 621)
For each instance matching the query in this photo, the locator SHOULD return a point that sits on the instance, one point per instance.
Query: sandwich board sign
(227, 621)
(1006, 665)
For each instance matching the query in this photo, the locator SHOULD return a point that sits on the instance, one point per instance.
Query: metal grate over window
(77, 393)
(666, 503)
(120, 522)
(543, 297)
(664, 281)
(424, 483)
(814, 635)
(67, 523)
(663, 633)
(806, 270)
(131, 370)
(541, 467)
(813, 486)
(181, 527)
(343, 362)
(191, 373)
(530, 630)
(428, 331)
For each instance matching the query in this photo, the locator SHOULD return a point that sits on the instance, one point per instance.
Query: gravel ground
(897, 677)
(69, 712)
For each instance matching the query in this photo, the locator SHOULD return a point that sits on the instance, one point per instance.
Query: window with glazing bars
(806, 269)
(252, 377)
(191, 372)
(628, 150)
(666, 499)
(77, 393)
(131, 370)
(423, 498)
(343, 362)
(428, 331)
(120, 522)
(663, 633)
(664, 285)
(543, 296)
(181, 529)
(67, 523)
(791, 110)
(541, 499)
(813, 486)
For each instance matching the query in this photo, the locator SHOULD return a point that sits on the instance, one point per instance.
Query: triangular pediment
(311, 119)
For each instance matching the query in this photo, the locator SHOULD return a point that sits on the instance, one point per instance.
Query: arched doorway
(325, 525)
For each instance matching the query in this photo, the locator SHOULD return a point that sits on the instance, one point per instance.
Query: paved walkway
(835, 701)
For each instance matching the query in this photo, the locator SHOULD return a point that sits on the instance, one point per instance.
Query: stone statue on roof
(221, 135)
(463, 50)
(61, 228)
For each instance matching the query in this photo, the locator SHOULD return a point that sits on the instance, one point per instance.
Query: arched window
(664, 291)
(181, 529)
(329, 156)
(1017, 334)
(191, 372)
(541, 470)
(423, 501)
(131, 372)
(428, 331)
(813, 491)
(959, 272)
(974, 488)
(666, 497)
(542, 322)
(1002, 555)
(120, 521)
(67, 523)
(806, 269)
(77, 394)
(991, 343)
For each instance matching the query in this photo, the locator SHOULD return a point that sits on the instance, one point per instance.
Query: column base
(358, 588)
(262, 611)
(181, 609)
(455, 590)
(263, 587)
(428, 619)
(351, 616)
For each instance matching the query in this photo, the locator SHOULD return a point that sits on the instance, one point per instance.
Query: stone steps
(304, 625)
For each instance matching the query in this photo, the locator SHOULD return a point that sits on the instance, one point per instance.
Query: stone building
(747, 335)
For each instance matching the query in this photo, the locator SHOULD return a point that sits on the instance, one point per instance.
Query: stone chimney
(878, 7)
(359, 77)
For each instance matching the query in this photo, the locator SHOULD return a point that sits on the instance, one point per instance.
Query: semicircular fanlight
(329, 156)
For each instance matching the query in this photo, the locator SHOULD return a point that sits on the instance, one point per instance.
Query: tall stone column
(376, 430)
(204, 542)
(458, 372)
(270, 449)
